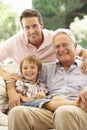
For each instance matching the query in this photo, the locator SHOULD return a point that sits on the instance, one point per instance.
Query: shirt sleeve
(6, 48)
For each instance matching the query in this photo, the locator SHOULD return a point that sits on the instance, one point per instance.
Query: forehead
(28, 62)
(61, 38)
(30, 20)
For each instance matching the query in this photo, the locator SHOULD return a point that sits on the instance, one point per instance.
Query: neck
(38, 42)
(67, 65)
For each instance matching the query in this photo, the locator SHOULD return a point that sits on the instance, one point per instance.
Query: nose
(31, 30)
(61, 48)
(29, 69)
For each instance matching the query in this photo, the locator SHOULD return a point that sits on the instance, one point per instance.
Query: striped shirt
(28, 89)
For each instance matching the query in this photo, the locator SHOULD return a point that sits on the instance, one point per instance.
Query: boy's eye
(25, 68)
(32, 67)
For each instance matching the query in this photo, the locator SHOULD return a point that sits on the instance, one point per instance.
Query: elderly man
(64, 79)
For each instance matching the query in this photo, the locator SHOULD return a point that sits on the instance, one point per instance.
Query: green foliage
(79, 29)
(82, 39)
(8, 21)
(55, 12)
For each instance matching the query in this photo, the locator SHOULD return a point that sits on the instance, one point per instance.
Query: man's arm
(83, 54)
(58, 101)
(82, 99)
(4, 74)
(14, 97)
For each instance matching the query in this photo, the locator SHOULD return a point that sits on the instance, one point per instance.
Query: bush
(79, 29)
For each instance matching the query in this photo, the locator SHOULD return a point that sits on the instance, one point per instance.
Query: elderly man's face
(64, 49)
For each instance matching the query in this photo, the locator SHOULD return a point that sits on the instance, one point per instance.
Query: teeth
(29, 74)
(61, 54)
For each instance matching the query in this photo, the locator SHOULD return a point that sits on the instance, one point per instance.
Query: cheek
(23, 71)
(36, 72)
(26, 33)
(56, 51)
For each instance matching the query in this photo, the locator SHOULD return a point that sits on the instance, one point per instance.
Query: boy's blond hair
(32, 59)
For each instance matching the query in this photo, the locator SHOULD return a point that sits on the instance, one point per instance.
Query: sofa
(11, 68)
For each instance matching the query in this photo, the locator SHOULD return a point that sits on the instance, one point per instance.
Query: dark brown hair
(31, 13)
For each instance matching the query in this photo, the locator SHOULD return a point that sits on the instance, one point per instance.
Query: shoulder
(14, 38)
(49, 66)
(48, 33)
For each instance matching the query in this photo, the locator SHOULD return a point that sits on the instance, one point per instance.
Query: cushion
(12, 68)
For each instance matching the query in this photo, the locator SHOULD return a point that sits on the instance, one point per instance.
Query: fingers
(78, 100)
(13, 104)
(14, 100)
(15, 76)
(84, 67)
(82, 102)
(38, 96)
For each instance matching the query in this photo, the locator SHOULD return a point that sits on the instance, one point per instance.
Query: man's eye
(57, 46)
(26, 28)
(35, 26)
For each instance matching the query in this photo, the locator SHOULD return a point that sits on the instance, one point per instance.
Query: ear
(75, 45)
(42, 25)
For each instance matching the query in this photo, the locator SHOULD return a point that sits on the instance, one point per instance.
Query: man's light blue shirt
(65, 83)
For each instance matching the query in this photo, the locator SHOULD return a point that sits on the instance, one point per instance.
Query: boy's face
(29, 71)
(33, 30)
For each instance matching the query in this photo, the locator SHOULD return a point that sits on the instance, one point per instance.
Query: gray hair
(67, 32)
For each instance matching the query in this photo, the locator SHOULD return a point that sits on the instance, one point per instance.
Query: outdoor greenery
(79, 28)
(61, 13)
(8, 21)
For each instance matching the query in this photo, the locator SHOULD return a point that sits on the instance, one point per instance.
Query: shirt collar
(46, 37)
(77, 62)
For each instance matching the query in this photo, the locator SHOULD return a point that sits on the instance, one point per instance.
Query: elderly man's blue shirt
(65, 83)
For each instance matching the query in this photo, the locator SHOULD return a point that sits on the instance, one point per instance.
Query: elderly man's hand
(82, 99)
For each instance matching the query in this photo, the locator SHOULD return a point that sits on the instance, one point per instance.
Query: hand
(84, 67)
(14, 99)
(39, 95)
(25, 99)
(82, 99)
(14, 76)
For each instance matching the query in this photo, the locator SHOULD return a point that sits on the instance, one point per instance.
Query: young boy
(32, 89)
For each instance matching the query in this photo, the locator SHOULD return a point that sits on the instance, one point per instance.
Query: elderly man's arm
(82, 99)
(58, 101)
